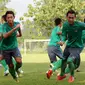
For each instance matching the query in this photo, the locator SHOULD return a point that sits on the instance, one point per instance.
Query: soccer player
(3, 20)
(71, 31)
(83, 37)
(55, 43)
(10, 44)
(2, 61)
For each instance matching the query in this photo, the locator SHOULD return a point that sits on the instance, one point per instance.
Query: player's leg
(51, 54)
(3, 62)
(74, 56)
(52, 58)
(6, 69)
(54, 68)
(59, 54)
(57, 65)
(55, 51)
(77, 63)
(17, 55)
(64, 64)
(14, 62)
(8, 58)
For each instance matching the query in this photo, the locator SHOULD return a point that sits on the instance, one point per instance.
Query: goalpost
(35, 45)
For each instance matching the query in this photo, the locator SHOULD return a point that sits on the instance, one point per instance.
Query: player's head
(58, 21)
(10, 16)
(71, 15)
(3, 19)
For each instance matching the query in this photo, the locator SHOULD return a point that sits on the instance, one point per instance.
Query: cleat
(6, 73)
(21, 71)
(49, 73)
(16, 79)
(71, 79)
(77, 70)
(19, 74)
(61, 77)
(0, 65)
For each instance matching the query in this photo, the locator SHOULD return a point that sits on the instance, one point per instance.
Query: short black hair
(57, 21)
(4, 17)
(9, 12)
(71, 12)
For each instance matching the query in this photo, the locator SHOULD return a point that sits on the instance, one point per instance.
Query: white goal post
(30, 41)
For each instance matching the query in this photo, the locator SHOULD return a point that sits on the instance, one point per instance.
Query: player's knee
(18, 60)
(10, 65)
(19, 64)
(1, 57)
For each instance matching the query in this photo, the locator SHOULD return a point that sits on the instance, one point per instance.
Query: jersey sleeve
(4, 28)
(0, 30)
(64, 33)
(55, 36)
(58, 30)
(82, 25)
(17, 24)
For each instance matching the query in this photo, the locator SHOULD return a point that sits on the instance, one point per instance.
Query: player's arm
(5, 35)
(60, 43)
(19, 34)
(1, 35)
(82, 25)
(59, 33)
(64, 34)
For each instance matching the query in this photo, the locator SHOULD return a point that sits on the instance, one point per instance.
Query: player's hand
(0, 38)
(18, 26)
(59, 33)
(60, 43)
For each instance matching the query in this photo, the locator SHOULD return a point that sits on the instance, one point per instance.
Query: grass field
(35, 67)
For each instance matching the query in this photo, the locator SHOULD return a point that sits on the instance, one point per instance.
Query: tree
(40, 17)
(3, 6)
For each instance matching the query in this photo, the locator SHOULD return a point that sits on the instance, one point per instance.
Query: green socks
(67, 70)
(18, 65)
(14, 62)
(71, 66)
(3, 62)
(57, 65)
(63, 66)
(12, 72)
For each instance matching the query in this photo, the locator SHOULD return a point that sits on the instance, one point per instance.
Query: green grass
(34, 73)
(41, 58)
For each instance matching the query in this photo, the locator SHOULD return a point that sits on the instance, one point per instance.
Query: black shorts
(8, 54)
(73, 53)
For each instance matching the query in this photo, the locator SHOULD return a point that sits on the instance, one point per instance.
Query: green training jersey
(11, 41)
(1, 35)
(55, 37)
(83, 36)
(73, 33)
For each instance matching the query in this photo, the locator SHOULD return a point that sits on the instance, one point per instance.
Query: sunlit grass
(34, 72)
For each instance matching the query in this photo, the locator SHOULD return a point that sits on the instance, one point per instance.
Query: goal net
(35, 45)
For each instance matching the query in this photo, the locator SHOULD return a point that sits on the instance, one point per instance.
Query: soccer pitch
(35, 67)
